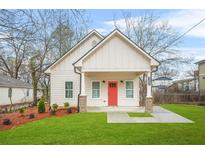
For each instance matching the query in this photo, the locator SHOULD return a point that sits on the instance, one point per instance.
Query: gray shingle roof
(6, 81)
(163, 78)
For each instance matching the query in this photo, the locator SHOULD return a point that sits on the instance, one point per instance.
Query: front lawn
(139, 114)
(92, 128)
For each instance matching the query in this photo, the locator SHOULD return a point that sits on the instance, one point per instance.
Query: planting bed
(17, 119)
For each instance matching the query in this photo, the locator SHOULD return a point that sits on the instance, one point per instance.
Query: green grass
(91, 128)
(139, 114)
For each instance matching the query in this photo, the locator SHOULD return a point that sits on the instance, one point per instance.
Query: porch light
(121, 81)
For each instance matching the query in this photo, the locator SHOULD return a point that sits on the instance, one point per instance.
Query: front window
(68, 89)
(95, 89)
(129, 89)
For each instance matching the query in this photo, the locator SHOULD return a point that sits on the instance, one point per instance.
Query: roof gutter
(78, 107)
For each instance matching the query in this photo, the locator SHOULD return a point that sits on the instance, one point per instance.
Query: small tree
(41, 106)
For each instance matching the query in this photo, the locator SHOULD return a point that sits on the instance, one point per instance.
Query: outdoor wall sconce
(103, 81)
(121, 81)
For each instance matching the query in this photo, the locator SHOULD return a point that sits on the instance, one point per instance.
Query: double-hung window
(68, 89)
(95, 89)
(129, 89)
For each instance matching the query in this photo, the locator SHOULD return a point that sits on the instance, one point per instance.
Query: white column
(149, 84)
(82, 84)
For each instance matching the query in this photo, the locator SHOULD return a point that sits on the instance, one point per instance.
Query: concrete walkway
(115, 109)
(160, 115)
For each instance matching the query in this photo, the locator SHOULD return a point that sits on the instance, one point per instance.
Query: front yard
(92, 128)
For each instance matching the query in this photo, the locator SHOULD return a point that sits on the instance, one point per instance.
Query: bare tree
(154, 36)
(50, 31)
(30, 40)
(15, 41)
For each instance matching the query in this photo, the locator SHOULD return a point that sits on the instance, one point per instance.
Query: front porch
(113, 91)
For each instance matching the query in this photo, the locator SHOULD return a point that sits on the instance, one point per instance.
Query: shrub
(66, 105)
(41, 106)
(69, 110)
(31, 116)
(21, 111)
(6, 121)
(55, 107)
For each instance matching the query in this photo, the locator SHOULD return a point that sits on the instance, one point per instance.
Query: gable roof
(117, 31)
(6, 81)
(200, 62)
(163, 78)
(75, 46)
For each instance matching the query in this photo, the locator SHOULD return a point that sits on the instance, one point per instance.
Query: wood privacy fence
(187, 98)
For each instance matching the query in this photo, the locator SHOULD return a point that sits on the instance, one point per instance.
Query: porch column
(149, 84)
(82, 97)
(82, 84)
(149, 99)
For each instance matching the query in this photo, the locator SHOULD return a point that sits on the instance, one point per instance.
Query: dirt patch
(17, 119)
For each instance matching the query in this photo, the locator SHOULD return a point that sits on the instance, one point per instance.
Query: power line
(185, 33)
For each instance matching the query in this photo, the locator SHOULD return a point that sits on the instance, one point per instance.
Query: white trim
(73, 48)
(115, 70)
(79, 63)
(130, 89)
(92, 88)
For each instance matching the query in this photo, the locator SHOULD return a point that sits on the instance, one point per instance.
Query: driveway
(160, 115)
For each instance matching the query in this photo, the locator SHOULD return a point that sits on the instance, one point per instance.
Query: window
(27, 92)
(129, 89)
(95, 89)
(68, 89)
(94, 43)
(9, 92)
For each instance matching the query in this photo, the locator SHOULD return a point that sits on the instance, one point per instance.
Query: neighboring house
(15, 90)
(201, 70)
(185, 85)
(101, 71)
(161, 83)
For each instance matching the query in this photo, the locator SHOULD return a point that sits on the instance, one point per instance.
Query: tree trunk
(11, 104)
(35, 85)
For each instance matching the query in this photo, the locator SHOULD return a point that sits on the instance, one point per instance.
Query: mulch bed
(17, 119)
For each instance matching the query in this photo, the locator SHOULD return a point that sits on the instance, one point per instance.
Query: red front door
(112, 93)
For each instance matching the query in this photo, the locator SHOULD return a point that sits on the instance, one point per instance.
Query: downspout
(78, 107)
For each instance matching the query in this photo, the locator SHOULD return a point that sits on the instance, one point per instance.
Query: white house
(101, 71)
(15, 91)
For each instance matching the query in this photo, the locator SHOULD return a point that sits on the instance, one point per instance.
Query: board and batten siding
(19, 95)
(103, 100)
(64, 71)
(116, 54)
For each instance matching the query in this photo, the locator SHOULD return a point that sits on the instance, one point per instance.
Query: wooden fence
(187, 98)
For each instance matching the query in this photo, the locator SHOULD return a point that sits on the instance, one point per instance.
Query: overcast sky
(193, 44)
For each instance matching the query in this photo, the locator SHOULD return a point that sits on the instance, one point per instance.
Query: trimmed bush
(66, 105)
(54, 107)
(41, 106)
